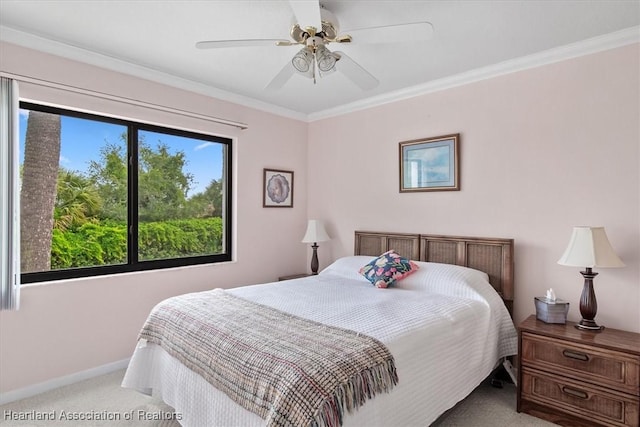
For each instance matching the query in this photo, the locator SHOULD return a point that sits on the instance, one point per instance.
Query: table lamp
(589, 247)
(315, 233)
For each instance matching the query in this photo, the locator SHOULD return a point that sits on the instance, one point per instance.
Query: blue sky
(82, 140)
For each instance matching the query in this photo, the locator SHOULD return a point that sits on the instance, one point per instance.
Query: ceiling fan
(316, 28)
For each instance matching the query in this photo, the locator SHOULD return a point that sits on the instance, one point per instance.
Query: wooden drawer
(617, 370)
(593, 404)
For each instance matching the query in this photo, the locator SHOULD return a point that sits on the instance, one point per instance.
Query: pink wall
(542, 150)
(71, 326)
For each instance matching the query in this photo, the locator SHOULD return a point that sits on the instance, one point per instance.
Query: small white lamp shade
(315, 232)
(590, 247)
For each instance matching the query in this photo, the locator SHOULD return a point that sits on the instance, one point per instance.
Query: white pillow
(348, 267)
(448, 279)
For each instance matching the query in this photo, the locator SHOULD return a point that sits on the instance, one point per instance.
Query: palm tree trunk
(38, 194)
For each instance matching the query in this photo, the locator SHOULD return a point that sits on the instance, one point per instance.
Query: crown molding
(43, 44)
(585, 47)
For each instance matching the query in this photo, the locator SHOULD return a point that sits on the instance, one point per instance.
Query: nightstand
(573, 377)
(294, 276)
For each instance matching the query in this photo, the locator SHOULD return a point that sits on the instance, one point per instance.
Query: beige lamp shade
(590, 247)
(315, 232)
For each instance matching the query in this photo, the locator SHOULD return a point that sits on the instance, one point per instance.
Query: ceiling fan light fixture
(321, 29)
(324, 57)
(302, 60)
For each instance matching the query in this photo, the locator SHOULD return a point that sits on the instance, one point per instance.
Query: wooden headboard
(494, 256)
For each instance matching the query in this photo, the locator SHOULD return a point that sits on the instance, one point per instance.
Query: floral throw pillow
(388, 268)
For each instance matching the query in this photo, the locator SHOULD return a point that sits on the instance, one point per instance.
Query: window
(102, 195)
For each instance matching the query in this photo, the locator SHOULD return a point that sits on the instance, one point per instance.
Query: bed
(445, 327)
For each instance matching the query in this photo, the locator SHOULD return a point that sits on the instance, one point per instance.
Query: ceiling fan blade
(354, 72)
(216, 44)
(281, 78)
(307, 13)
(412, 32)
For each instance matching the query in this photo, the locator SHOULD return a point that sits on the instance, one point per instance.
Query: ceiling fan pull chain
(314, 70)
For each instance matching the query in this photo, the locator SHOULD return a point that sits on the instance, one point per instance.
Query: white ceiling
(156, 40)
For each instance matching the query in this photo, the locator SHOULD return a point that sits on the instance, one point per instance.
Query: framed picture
(277, 189)
(430, 164)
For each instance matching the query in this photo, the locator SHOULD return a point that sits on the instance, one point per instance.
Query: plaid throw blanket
(288, 370)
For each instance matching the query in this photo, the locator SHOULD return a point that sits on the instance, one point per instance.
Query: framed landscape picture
(277, 189)
(430, 164)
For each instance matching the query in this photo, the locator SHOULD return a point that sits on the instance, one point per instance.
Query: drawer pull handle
(575, 355)
(576, 393)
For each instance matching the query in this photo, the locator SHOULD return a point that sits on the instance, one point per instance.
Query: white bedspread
(445, 326)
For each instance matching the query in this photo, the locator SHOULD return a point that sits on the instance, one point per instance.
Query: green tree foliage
(91, 210)
(89, 222)
(162, 183)
(207, 203)
(106, 243)
(77, 200)
(89, 245)
(109, 175)
(186, 237)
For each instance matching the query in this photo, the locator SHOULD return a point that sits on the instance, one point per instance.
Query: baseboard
(32, 390)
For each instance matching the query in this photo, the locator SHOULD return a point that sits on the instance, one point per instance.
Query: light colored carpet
(96, 402)
(489, 406)
(101, 402)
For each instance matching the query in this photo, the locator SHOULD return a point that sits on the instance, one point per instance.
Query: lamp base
(314, 259)
(589, 325)
(588, 303)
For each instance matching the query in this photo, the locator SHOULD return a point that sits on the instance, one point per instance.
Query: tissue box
(550, 311)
